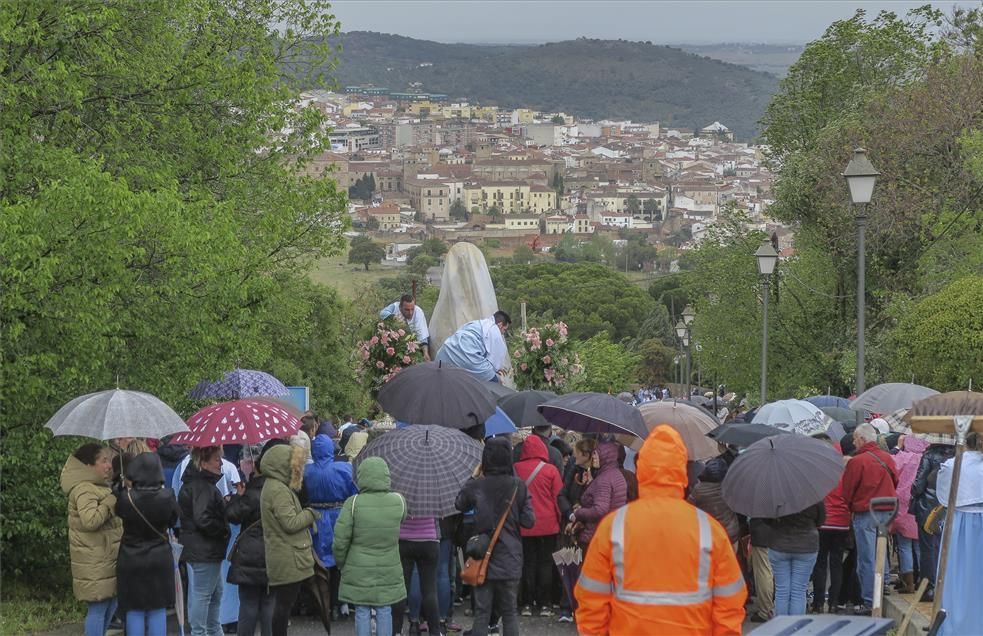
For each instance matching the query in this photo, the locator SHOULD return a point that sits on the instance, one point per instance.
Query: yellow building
(511, 197)
(523, 116)
(422, 108)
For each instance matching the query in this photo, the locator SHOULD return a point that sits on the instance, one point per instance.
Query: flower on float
(524, 366)
(401, 332)
(379, 364)
(547, 359)
(406, 360)
(390, 351)
(550, 342)
(517, 354)
(548, 374)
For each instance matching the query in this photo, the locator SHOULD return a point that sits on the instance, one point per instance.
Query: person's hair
(89, 453)
(866, 432)
(137, 447)
(543, 428)
(586, 446)
(406, 298)
(348, 418)
(203, 454)
(309, 423)
(502, 317)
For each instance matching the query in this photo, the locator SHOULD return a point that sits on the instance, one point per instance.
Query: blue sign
(300, 397)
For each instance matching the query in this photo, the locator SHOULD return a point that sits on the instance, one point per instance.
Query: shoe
(816, 609)
(230, 628)
(424, 627)
(759, 618)
(862, 610)
(908, 583)
(526, 611)
(493, 629)
(458, 601)
(565, 617)
(929, 595)
(414, 628)
(545, 612)
(449, 626)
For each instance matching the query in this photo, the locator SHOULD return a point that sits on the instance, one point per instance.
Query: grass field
(347, 278)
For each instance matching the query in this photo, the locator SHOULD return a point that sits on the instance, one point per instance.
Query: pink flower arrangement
(386, 353)
(546, 359)
(390, 351)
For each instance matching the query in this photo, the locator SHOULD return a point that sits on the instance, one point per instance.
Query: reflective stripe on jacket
(659, 565)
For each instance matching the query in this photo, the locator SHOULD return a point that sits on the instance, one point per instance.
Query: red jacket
(544, 489)
(869, 474)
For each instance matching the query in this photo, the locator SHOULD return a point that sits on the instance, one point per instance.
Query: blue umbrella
(239, 384)
(499, 424)
(829, 400)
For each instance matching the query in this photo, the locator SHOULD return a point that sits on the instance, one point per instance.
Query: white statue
(466, 293)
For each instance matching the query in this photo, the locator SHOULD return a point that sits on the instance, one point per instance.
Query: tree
(651, 209)
(558, 184)
(608, 366)
(655, 362)
(557, 119)
(632, 205)
(372, 223)
(495, 213)
(458, 211)
(421, 264)
(523, 255)
(144, 236)
(365, 251)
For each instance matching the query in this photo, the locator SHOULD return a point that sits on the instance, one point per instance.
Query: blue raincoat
(329, 483)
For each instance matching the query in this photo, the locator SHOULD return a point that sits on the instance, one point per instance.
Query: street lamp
(860, 176)
(682, 332)
(767, 258)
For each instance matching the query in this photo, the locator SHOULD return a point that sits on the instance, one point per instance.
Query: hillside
(589, 78)
(767, 58)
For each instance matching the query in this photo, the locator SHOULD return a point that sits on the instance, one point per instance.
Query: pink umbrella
(247, 421)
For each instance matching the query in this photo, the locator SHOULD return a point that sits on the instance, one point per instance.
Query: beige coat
(94, 531)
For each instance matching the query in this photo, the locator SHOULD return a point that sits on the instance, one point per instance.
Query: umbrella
(842, 415)
(781, 475)
(320, 588)
(428, 465)
(794, 416)
(116, 413)
(522, 407)
(690, 422)
(828, 400)
(594, 413)
(626, 397)
(437, 393)
(498, 390)
(499, 424)
(238, 422)
(238, 384)
(887, 398)
(698, 400)
(568, 560)
(176, 550)
(743, 434)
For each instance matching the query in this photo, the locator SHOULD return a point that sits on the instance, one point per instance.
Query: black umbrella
(427, 465)
(498, 390)
(437, 393)
(781, 475)
(522, 407)
(594, 413)
(743, 434)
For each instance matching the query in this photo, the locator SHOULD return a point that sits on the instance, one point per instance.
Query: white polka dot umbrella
(238, 422)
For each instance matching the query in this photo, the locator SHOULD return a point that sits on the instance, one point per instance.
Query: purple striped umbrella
(238, 384)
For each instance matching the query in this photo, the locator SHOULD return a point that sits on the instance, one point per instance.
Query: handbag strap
(501, 522)
(881, 462)
(535, 472)
(149, 525)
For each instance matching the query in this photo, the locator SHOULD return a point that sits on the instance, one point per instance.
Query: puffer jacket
(608, 491)
(708, 497)
(248, 557)
(923, 497)
(797, 533)
(366, 540)
(94, 531)
(697, 586)
(328, 484)
(544, 490)
(906, 463)
(837, 510)
(204, 530)
(289, 558)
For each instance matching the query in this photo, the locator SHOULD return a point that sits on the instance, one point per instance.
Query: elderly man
(479, 347)
(414, 318)
(869, 474)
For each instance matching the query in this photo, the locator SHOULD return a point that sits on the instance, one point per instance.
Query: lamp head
(680, 329)
(767, 258)
(689, 314)
(860, 175)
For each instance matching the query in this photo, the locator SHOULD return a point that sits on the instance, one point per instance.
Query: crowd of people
(255, 521)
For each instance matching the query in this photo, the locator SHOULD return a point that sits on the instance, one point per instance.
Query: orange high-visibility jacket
(659, 565)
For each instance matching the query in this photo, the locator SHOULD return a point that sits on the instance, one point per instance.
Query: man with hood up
(328, 483)
(697, 587)
(489, 497)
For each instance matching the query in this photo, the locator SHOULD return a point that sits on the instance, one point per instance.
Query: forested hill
(589, 78)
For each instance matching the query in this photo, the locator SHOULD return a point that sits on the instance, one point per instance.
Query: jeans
(424, 556)
(284, 598)
(383, 620)
(500, 596)
(98, 617)
(792, 571)
(205, 598)
(146, 622)
(537, 570)
(928, 562)
(832, 548)
(865, 536)
(256, 604)
(906, 553)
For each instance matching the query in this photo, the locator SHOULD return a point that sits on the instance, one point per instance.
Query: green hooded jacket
(94, 531)
(289, 557)
(366, 539)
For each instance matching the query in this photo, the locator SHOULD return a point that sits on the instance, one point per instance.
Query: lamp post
(860, 176)
(682, 330)
(767, 258)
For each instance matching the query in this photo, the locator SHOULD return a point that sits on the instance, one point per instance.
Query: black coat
(249, 554)
(796, 533)
(145, 566)
(488, 496)
(923, 497)
(204, 530)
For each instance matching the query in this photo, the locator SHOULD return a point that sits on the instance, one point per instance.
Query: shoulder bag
(475, 570)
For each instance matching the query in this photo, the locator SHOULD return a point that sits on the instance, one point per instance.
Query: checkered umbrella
(428, 465)
(238, 422)
(238, 384)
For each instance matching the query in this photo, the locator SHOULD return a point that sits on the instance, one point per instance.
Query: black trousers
(424, 555)
(537, 570)
(286, 596)
(832, 548)
(500, 596)
(256, 605)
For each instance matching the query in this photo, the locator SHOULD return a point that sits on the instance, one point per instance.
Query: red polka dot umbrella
(238, 422)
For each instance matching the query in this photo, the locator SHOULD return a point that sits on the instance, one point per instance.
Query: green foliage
(458, 210)
(493, 243)
(544, 359)
(34, 609)
(598, 249)
(558, 184)
(523, 255)
(608, 366)
(635, 254)
(632, 205)
(588, 297)
(939, 340)
(421, 264)
(656, 362)
(671, 292)
(557, 119)
(365, 251)
(363, 188)
(144, 235)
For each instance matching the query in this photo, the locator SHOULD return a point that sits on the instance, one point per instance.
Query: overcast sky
(667, 22)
